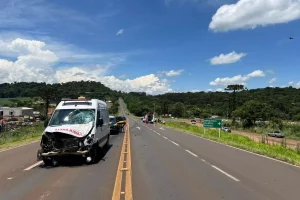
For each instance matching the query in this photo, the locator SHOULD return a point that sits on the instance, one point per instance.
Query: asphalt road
(71, 180)
(168, 164)
(165, 164)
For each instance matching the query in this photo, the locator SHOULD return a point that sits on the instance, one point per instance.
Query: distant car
(226, 129)
(114, 128)
(193, 121)
(276, 134)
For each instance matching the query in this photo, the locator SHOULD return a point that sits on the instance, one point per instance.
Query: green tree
(297, 117)
(47, 93)
(252, 111)
(276, 123)
(234, 88)
(178, 109)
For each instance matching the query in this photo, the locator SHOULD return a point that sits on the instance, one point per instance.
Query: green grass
(6, 101)
(24, 135)
(242, 142)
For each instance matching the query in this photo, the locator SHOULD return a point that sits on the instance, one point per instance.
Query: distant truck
(149, 118)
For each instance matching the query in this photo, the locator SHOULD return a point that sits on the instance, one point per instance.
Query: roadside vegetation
(18, 137)
(280, 152)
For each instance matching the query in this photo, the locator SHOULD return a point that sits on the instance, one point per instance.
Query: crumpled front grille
(61, 142)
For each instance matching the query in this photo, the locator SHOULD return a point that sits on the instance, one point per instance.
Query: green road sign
(212, 123)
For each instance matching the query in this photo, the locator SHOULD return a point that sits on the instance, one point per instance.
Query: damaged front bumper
(59, 144)
(53, 153)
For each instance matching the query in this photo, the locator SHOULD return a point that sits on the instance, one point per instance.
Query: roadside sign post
(212, 123)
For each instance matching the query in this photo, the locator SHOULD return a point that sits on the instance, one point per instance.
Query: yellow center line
(128, 186)
(128, 181)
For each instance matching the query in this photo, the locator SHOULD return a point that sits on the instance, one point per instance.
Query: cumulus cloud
(273, 80)
(120, 32)
(173, 72)
(227, 58)
(249, 14)
(220, 90)
(194, 91)
(36, 63)
(294, 84)
(239, 79)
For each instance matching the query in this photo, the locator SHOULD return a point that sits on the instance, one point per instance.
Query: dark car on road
(114, 128)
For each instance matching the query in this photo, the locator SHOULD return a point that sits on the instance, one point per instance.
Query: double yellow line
(124, 170)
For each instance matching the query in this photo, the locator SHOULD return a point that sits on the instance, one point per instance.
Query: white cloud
(239, 79)
(120, 32)
(227, 58)
(33, 63)
(173, 72)
(249, 14)
(294, 84)
(270, 71)
(273, 80)
(220, 90)
(36, 63)
(194, 91)
(256, 73)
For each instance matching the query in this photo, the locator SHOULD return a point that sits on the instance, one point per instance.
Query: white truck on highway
(77, 127)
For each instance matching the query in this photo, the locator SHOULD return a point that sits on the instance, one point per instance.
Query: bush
(25, 133)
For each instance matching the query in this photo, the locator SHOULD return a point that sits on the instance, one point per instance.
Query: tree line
(237, 102)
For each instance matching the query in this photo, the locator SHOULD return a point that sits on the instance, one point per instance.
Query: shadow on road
(76, 161)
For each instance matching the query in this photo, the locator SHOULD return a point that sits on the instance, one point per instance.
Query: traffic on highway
(82, 155)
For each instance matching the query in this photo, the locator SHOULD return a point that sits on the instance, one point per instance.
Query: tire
(107, 141)
(47, 162)
(95, 154)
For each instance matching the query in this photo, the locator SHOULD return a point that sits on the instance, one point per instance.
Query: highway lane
(71, 180)
(168, 164)
(15, 160)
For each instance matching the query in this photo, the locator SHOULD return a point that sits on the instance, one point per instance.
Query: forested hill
(64, 90)
(284, 103)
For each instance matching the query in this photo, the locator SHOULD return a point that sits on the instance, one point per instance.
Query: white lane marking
(138, 128)
(175, 143)
(230, 176)
(158, 133)
(10, 178)
(45, 194)
(191, 153)
(165, 137)
(162, 128)
(32, 166)
(18, 146)
(273, 159)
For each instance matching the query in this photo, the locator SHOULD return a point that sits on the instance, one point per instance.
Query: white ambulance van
(77, 127)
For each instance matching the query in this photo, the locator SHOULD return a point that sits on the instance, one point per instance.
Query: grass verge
(23, 136)
(242, 142)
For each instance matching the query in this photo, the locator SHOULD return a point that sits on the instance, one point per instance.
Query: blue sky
(155, 46)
